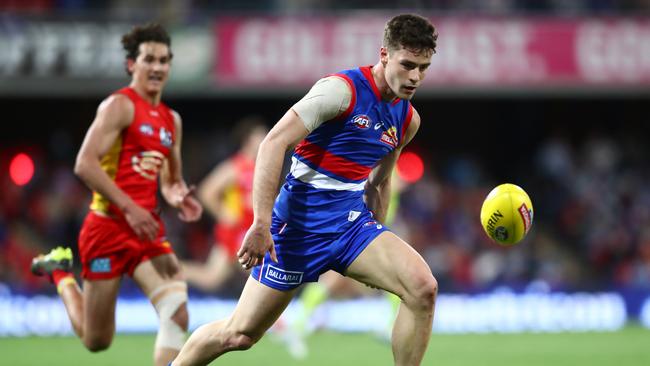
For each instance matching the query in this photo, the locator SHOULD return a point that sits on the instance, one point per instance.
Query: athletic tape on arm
(328, 98)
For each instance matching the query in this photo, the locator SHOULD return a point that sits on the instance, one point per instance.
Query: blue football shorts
(304, 256)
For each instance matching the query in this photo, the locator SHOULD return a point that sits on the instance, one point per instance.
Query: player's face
(405, 69)
(150, 69)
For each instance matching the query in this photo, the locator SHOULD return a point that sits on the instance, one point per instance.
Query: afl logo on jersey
(362, 121)
(146, 129)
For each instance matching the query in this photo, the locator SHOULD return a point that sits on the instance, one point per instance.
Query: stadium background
(550, 95)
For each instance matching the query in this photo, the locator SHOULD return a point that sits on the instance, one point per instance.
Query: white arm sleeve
(328, 98)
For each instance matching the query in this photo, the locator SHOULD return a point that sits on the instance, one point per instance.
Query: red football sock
(58, 275)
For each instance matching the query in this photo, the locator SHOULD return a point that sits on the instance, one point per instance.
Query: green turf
(630, 347)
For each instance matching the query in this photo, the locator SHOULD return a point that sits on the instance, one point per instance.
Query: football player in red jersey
(227, 194)
(134, 140)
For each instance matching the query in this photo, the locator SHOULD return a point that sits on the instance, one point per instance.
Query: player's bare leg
(213, 273)
(91, 311)
(339, 286)
(72, 297)
(391, 264)
(161, 280)
(258, 308)
(99, 301)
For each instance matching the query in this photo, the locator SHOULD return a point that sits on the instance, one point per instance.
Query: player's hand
(257, 243)
(141, 221)
(190, 208)
(181, 196)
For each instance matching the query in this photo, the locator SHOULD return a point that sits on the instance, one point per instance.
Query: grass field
(630, 347)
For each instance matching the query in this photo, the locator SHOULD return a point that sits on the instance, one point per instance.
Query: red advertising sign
(471, 52)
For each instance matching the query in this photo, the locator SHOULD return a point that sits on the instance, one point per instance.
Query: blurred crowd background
(583, 164)
(580, 152)
(189, 8)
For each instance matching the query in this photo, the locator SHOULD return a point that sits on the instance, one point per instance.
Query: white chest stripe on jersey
(304, 173)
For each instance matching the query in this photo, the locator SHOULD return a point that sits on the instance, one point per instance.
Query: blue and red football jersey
(323, 192)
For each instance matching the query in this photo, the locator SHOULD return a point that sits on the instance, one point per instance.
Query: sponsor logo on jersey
(362, 121)
(526, 215)
(146, 129)
(100, 265)
(165, 137)
(379, 125)
(279, 275)
(389, 137)
(148, 163)
(154, 113)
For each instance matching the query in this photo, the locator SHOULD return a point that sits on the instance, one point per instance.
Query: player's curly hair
(150, 32)
(410, 31)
